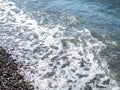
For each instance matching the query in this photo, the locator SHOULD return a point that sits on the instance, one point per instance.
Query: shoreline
(10, 79)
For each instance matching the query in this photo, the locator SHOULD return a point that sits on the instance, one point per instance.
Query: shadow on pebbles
(10, 79)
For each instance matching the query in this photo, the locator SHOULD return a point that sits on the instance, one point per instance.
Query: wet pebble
(10, 79)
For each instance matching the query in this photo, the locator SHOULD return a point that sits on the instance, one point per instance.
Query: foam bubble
(51, 60)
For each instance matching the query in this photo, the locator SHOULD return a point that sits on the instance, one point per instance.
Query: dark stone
(2, 51)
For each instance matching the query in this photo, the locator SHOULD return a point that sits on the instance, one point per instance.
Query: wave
(51, 59)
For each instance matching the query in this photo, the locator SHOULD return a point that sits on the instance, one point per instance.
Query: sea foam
(51, 60)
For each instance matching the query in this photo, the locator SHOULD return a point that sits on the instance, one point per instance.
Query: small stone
(10, 79)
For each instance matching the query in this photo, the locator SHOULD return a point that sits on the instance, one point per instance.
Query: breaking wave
(53, 60)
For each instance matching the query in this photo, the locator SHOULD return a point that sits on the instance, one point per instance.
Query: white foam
(51, 60)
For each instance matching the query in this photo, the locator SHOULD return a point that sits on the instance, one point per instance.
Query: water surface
(64, 44)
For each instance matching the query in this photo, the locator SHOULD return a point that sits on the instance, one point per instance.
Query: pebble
(10, 79)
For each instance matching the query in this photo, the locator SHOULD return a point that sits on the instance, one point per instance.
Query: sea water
(64, 44)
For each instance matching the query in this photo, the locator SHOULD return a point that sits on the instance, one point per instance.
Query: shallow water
(64, 44)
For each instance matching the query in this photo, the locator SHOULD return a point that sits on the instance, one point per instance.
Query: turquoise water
(63, 23)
